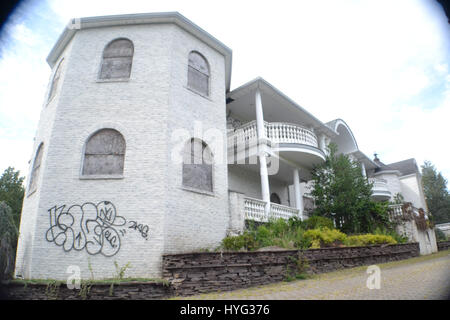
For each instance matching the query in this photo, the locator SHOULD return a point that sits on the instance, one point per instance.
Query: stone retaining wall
(101, 291)
(443, 245)
(195, 273)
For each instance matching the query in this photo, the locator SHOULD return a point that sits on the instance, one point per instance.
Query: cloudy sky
(382, 66)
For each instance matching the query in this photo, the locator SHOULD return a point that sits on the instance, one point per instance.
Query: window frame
(53, 87)
(33, 175)
(211, 192)
(208, 93)
(101, 176)
(102, 58)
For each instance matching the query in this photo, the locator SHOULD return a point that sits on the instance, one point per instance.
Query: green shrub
(440, 235)
(399, 238)
(369, 239)
(244, 241)
(263, 236)
(279, 227)
(316, 222)
(324, 237)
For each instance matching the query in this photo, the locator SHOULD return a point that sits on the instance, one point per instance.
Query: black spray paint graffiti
(89, 226)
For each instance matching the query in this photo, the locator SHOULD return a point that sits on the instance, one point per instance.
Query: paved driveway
(425, 277)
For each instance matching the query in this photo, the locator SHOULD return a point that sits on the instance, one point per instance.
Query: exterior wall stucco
(412, 191)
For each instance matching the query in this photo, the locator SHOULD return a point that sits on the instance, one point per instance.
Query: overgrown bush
(8, 237)
(369, 239)
(440, 235)
(244, 241)
(291, 234)
(316, 222)
(324, 237)
(399, 238)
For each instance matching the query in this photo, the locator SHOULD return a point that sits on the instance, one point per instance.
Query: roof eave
(140, 18)
(261, 83)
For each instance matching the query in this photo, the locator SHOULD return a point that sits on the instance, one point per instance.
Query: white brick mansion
(142, 150)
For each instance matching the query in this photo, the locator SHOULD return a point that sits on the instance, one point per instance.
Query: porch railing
(254, 209)
(395, 212)
(276, 132)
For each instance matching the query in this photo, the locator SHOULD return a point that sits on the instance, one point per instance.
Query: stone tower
(128, 96)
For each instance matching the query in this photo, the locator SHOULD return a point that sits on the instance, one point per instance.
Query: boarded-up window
(55, 81)
(117, 60)
(36, 168)
(197, 166)
(104, 153)
(198, 73)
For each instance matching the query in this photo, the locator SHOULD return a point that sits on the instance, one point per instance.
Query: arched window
(117, 60)
(198, 73)
(104, 153)
(274, 198)
(197, 166)
(36, 168)
(56, 76)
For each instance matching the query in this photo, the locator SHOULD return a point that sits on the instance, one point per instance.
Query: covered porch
(272, 146)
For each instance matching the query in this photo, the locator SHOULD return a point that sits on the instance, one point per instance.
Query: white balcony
(254, 210)
(380, 191)
(291, 141)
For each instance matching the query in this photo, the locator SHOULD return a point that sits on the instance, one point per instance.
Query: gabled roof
(141, 18)
(405, 167)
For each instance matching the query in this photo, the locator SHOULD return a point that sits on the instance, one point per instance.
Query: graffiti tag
(87, 227)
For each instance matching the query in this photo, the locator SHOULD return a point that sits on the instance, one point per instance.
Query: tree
(12, 192)
(343, 193)
(436, 193)
(8, 240)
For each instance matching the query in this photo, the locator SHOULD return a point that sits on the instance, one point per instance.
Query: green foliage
(440, 235)
(369, 239)
(8, 239)
(315, 222)
(12, 192)
(52, 290)
(398, 199)
(292, 235)
(299, 270)
(400, 238)
(325, 237)
(244, 241)
(120, 273)
(343, 193)
(436, 193)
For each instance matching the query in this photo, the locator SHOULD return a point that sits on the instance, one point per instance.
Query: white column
(363, 169)
(265, 191)
(298, 193)
(322, 143)
(259, 116)
(327, 142)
